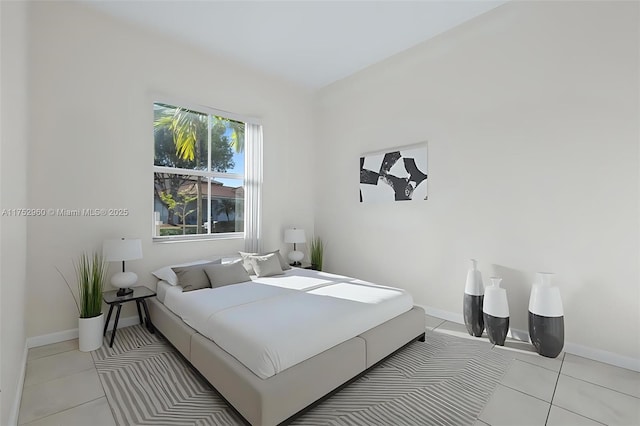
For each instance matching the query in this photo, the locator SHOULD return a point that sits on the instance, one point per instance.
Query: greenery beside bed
(317, 253)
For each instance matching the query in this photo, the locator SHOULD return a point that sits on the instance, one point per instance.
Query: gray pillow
(192, 277)
(167, 274)
(226, 274)
(266, 266)
(246, 259)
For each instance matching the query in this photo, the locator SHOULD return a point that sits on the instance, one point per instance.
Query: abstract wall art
(394, 175)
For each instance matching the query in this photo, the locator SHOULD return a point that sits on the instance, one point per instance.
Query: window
(199, 173)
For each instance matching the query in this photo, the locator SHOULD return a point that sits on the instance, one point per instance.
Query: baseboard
(445, 315)
(603, 356)
(459, 319)
(61, 336)
(521, 335)
(17, 400)
(571, 348)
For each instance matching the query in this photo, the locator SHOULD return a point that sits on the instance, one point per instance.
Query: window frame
(170, 101)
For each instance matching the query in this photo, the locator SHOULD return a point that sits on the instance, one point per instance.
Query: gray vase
(547, 334)
(497, 329)
(473, 300)
(546, 317)
(473, 317)
(496, 312)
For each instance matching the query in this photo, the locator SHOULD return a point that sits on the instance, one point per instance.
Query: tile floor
(62, 388)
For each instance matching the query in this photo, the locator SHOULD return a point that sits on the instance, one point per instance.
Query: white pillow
(246, 260)
(167, 274)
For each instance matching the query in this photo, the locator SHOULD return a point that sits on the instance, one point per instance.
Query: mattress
(271, 324)
(162, 288)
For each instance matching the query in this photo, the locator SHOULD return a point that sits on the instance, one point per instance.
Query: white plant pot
(90, 333)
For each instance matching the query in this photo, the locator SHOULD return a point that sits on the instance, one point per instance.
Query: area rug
(446, 380)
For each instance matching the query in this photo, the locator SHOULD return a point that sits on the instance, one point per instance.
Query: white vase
(90, 333)
(473, 299)
(496, 312)
(546, 317)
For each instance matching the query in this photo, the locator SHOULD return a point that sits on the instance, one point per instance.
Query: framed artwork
(398, 174)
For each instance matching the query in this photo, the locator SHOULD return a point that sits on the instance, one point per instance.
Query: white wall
(13, 195)
(531, 115)
(91, 81)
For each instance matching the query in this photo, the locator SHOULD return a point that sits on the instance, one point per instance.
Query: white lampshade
(294, 236)
(119, 250)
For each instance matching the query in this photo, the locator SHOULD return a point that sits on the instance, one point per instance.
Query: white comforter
(271, 324)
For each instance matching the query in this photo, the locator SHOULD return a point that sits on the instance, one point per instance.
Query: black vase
(497, 328)
(473, 317)
(546, 317)
(496, 312)
(473, 299)
(547, 334)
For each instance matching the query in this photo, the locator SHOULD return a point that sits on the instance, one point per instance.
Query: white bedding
(273, 323)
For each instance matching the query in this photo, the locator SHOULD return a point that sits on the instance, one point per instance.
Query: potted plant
(91, 272)
(317, 253)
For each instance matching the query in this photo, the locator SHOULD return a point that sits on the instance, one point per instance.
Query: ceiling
(311, 43)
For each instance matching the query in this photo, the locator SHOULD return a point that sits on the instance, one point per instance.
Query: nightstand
(304, 265)
(139, 295)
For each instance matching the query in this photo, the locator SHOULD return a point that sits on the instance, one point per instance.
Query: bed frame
(277, 399)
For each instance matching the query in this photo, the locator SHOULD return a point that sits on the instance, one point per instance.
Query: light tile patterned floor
(62, 388)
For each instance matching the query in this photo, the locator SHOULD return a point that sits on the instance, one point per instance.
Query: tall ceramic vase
(546, 317)
(473, 299)
(496, 312)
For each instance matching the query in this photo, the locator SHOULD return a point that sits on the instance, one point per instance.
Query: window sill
(193, 238)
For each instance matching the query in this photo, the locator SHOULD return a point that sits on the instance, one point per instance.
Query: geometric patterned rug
(446, 380)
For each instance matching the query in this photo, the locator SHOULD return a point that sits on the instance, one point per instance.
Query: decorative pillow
(283, 263)
(247, 262)
(266, 266)
(167, 274)
(226, 274)
(192, 277)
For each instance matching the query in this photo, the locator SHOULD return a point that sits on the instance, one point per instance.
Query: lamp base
(295, 264)
(124, 279)
(124, 292)
(295, 257)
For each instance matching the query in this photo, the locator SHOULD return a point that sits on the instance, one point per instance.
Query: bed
(273, 346)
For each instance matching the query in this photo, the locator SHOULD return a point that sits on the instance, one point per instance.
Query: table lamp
(295, 236)
(120, 251)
